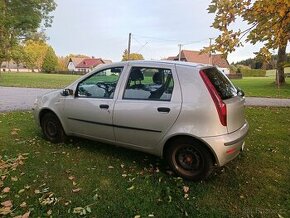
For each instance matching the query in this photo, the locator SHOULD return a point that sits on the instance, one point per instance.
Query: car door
(89, 112)
(147, 106)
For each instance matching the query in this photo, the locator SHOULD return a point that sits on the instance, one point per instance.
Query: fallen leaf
(7, 203)
(6, 190)
(131, 188)
(26, 215)
(71, 178)
(36, 191)
(185, 189)
(76, 190)
(137, 216)
(49, 212)
(14, 179)
(5, 210)
(110, 167)
(21, 190)
(23, 204)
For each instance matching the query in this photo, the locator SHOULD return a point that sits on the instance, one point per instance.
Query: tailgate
(235, 113)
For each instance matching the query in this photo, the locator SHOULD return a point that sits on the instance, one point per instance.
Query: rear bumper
(227, 147)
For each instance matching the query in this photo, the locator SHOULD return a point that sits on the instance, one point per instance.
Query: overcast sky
(101, 28)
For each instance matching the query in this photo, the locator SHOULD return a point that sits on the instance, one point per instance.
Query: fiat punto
(190, 114)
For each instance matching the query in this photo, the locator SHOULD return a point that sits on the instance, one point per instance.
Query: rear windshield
(222, 84)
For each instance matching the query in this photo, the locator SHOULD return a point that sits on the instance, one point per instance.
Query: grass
(106, 181)
(263, 87)
(36, 80)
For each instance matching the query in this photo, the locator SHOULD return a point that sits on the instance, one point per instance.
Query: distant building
(196, 57)
(12, 66)
(85, 64)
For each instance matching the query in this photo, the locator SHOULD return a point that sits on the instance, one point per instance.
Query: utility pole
(179, 54)
(129, 46)
(210, 56)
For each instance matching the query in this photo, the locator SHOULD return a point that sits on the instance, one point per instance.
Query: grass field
(67, 180)
(36, 80)
(263, 87)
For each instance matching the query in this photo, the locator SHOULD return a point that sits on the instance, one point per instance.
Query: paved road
(23, 98)
(12, 98)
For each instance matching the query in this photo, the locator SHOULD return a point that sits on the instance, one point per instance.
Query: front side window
(149, 84)
(100, 85)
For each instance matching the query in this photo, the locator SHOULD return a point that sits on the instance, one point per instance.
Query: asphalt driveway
(13, 98)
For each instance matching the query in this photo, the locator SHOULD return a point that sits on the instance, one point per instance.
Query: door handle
(163, 109)
(104, 106)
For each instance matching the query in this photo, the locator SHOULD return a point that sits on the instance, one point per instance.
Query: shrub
(253, 72)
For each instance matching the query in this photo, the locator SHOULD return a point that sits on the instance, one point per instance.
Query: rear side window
(221, 83)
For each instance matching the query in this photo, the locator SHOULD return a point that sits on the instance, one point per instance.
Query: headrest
(157, 78)
(136, 75)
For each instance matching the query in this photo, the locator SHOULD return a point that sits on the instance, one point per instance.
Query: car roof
(190, 64)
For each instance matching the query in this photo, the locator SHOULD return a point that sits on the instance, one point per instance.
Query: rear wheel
(52, 128)
(189, 159)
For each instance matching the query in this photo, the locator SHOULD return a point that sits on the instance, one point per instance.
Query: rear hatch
(229, 104)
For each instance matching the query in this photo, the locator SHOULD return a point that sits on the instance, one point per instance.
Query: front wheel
(189, 159)
(52, 128)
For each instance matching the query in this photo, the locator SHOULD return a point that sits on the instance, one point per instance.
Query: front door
(148, 106)
(89, 112)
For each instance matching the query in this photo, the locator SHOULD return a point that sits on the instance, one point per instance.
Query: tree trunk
(281, 60)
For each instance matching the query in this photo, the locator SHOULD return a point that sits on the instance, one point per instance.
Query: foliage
(35, 52)
(19, 18)
(50, 61)
(255, 184)
(132, 56)
(253, 72)
(17, 54)
(268, 22)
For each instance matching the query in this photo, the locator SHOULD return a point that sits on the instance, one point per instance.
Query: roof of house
(197, 57)
(90, 63)
(76, 61)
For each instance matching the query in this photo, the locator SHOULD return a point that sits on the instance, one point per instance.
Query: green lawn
(263, 87)
(107, 181)
(36, 80)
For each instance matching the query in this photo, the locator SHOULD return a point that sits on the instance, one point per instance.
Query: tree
(132, 56)
(35, 52)
(268, 22)
(18, 19)
(17, 55)
(50, 61)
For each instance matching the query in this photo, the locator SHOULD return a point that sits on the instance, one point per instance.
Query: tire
(189, 159)
(52, 128)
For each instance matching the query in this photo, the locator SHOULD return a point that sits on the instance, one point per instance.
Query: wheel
(52, 128)
(189, 159)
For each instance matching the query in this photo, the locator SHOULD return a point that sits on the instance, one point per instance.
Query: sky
(101, 28)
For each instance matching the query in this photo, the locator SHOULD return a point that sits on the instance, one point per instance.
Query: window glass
(101, 84)
(222, 84)
(149, 84)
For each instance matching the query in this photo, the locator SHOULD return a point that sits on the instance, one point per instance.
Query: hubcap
(51, 129)
(188, 158)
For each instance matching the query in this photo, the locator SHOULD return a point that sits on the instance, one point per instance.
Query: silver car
(190, 114)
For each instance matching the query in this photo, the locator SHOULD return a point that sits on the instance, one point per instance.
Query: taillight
(221, 107)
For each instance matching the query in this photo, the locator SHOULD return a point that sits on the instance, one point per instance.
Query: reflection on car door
(148, 106)
(89, 112)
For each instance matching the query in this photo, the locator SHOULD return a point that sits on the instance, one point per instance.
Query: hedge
(253, 72)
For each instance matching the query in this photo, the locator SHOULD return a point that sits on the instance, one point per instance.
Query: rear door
(148, 105)
(228, 93)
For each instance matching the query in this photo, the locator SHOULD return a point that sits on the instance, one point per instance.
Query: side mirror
(67, 92)
(240, 92)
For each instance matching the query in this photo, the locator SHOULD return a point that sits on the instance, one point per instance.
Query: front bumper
(227, 147)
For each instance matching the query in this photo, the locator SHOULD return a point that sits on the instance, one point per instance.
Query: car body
(189, 113)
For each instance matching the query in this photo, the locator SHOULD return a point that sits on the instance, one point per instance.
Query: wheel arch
(193, 139)
(47, 110)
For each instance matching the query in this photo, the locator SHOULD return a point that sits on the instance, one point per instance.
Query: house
(85, 64)
(195, 56)
(12, 66)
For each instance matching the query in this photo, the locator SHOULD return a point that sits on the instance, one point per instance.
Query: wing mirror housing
(67, 92)
(240, 92)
